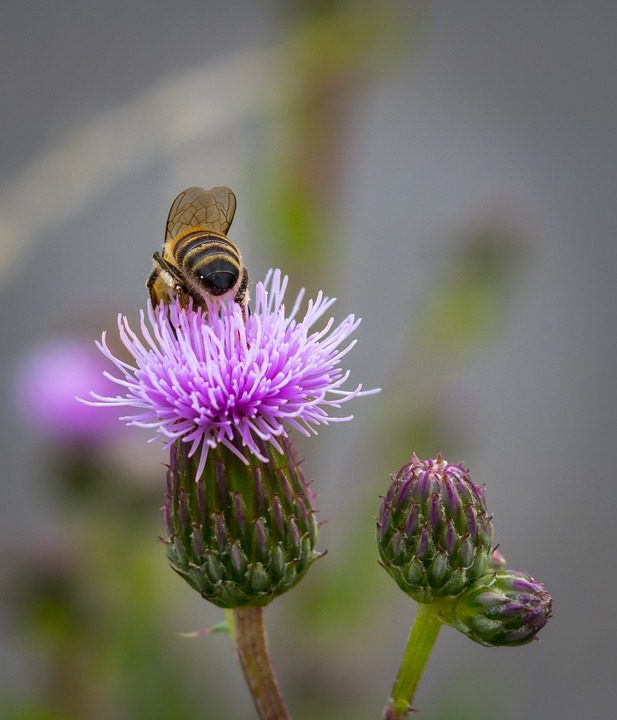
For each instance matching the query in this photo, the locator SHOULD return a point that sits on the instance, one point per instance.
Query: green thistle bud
(242, 534)
(434, 533)
(503, 608)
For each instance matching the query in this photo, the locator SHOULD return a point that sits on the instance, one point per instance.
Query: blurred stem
(248, 632)
(421, 640)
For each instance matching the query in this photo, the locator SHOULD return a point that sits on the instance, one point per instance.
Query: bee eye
(219, 282)
(216, 276)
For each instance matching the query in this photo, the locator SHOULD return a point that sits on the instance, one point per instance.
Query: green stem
(248, 632)
(421, 640)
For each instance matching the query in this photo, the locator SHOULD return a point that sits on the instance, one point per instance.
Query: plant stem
(421, 640)
(248, 632)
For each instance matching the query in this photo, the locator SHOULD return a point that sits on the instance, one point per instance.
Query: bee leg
(242, 292)
(174, 277)
(169, 268)
(166, 282)
(150, 283)
(242, 296)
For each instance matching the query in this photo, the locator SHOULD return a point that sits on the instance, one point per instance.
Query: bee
(198, 259)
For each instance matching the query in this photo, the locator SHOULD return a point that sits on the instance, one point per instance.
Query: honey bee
(198, 259)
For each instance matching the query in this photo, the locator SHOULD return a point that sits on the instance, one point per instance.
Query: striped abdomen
(210, 261)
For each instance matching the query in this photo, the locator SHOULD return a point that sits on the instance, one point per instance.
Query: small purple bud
(502, 608)
(436, 515)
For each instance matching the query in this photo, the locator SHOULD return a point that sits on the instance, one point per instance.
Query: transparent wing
(199, 209)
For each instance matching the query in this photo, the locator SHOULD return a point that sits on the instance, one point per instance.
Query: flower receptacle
(241, 534)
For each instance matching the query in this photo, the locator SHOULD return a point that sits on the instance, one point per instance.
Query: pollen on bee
(167, 278)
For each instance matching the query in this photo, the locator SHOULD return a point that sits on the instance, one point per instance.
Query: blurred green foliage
(333, 50)
(91, 603)
(473, 291)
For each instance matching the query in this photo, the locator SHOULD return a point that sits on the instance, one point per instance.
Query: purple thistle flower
(215, 378)
(46, 382)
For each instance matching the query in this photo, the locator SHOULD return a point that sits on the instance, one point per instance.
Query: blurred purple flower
(210, 378)
(47, 382)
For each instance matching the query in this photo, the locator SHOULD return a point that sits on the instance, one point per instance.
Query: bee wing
(199, 209)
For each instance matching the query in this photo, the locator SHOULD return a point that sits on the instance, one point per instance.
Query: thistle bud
(434, 533)
(240, 534)
(503, 608)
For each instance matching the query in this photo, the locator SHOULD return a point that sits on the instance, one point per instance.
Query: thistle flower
(503, 608)
(434, 533)
(213, 378)
(241, 535)
(47, 381)
(435, 539)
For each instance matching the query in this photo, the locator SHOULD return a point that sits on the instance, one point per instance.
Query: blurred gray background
(448, 171)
